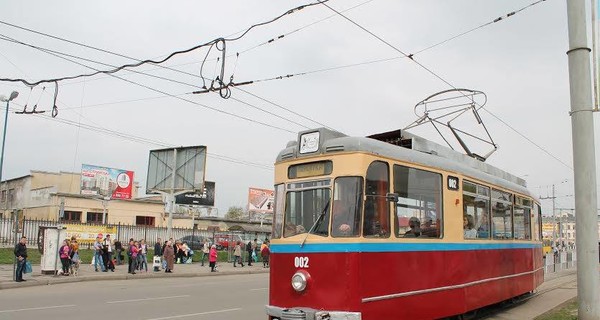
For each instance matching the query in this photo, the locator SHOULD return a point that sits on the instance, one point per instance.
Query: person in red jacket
(65, 257)
(212, 258)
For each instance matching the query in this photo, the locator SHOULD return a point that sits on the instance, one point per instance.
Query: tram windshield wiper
(317, 222)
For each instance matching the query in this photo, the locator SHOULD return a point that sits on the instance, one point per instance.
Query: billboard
(261, 200)
(88, 233)
(175, 170)
(106, 182)
(206, 198)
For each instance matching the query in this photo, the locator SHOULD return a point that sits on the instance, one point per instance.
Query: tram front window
(307, 202)
(347, 202)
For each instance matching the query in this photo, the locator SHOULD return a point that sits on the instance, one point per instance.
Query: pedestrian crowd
(109, 253)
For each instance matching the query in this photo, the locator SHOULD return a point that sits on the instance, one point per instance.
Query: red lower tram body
(407, 284)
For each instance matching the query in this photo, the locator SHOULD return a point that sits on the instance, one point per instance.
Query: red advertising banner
(106, 182)
(260, 200)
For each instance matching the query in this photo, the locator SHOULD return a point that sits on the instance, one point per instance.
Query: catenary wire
(442, 79)
(3, 37)
(168, 94)
(164, 67)
(150, 61)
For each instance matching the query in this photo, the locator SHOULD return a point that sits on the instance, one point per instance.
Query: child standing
(212, 258)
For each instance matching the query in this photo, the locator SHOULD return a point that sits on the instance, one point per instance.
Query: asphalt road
(218, 298)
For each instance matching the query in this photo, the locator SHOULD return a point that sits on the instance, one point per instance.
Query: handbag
(28, 268)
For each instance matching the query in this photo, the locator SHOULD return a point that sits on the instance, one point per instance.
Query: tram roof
(407, 147)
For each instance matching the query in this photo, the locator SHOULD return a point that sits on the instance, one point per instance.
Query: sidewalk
(87, 273)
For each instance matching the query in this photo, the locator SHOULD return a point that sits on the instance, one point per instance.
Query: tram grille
(293, 314)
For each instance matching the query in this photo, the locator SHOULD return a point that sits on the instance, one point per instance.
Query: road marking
(39, 308)
(259, 289)
(148, 299)
(196, 314)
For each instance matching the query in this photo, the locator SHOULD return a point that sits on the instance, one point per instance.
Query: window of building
(377, 207)
(502, 214)
(144, 221)
(347, 204)
(522, 219)
(307, 202)
(476, 210)
(72, 216)
(3, 196)
(94, 217)
(11, 196)
(419, 206)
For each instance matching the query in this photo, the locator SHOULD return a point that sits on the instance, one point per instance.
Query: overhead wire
(141, 140)
(148, 61)
(410, 56)
(59, 55)
(177, 70)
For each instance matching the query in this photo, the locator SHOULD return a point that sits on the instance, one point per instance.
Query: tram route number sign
(452, 183)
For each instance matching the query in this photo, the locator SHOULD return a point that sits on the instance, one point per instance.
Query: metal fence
(559, 261)
(29, 228)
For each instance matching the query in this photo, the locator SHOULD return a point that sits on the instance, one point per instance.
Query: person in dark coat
(249, 250)
(169, 256)
(158, 248)
(21, 254)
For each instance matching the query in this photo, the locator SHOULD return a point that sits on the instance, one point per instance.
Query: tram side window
(522, 218)
(537, 221)
(419, 207)
(278, 214)
(476, 211)
(347, 202)
(377, 208)
(502, 215)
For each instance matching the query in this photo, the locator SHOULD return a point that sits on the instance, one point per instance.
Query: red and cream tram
(393, 226)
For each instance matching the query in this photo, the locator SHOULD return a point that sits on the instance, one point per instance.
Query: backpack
(249, 246)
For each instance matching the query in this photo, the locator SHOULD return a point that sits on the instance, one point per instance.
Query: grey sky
(519, 63)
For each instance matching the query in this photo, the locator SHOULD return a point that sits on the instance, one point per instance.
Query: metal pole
(584, 162)
(104, 204)
(15, 226)
(4, 140)
(554, 216)
(172, 196)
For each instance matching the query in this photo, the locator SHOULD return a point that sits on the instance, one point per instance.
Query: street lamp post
(13, 96)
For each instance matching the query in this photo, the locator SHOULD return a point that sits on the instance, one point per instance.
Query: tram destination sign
(310, 169)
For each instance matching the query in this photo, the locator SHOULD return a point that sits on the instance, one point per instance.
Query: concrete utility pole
(586, 202)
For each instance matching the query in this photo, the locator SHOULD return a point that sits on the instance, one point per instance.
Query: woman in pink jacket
(65, 257)
(212, 258)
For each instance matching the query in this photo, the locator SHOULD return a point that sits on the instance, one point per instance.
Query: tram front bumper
(277, 313)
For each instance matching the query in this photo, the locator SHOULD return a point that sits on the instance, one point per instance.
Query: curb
(62, 280)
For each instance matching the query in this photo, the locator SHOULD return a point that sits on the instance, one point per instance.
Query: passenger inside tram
(469, 227)
(415, 228)
(341, 219)
(430, 229)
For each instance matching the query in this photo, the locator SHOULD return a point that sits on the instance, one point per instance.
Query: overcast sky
(520, 63)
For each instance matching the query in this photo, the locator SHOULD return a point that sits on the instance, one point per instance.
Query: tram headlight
(299, 281)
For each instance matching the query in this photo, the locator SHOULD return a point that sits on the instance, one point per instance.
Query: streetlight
(13, 96)
(3, 98)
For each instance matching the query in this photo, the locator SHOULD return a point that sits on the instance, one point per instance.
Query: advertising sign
(88, 233)
(206, 198)
(261, 200)
(106, 182)
(176, 170)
